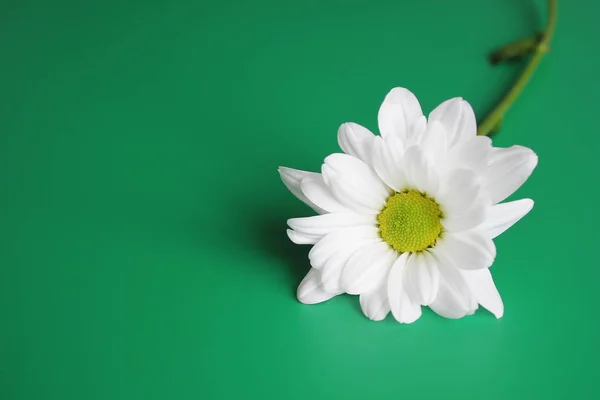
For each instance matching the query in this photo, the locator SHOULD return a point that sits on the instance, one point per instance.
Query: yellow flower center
(410, 221)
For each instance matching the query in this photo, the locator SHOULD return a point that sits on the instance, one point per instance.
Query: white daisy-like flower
(407, 219)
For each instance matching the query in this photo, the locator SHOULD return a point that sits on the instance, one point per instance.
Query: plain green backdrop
(143, 252)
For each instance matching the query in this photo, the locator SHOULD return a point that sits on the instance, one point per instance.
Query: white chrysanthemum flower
(408, 217)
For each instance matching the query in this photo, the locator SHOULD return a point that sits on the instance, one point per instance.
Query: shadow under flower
(269, 237)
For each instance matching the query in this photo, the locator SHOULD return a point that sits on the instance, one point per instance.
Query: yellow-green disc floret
(410, 221)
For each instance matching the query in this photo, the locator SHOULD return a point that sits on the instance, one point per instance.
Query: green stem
(516, 49)
(493, 119)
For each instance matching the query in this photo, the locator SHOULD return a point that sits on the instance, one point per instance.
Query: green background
(143, 252)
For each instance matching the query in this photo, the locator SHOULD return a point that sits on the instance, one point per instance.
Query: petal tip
(399, 91)
(310, 290)
(290, 234)
(304, 297)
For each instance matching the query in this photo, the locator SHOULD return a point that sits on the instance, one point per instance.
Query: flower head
(407, 218)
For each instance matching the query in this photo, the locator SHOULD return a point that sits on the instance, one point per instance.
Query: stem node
(517, 49)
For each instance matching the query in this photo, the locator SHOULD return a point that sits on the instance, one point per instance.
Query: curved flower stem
(494, 118)
(516, 49)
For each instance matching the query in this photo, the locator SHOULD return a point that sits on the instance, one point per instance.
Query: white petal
(399, 111)
(456, 290)
(467, 250)
(422, 278)
(483, 288)
(467, 219)
(416, 132)
(292, 179)
(302, 239)
(348, 194)
(502, 216)
(333, 267)
(458, 118)
(356, 140)
(508, 170)
(310, 290)
(357, 171)
(375, 304)
(321, 225)
(458, 191)
(434, 143)
(403, 308)
(354, 184)
(337, 241)
(419, 173)
(472, 154)
(448, 304)
(318, 193)
(368, 268)
(386, 165)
